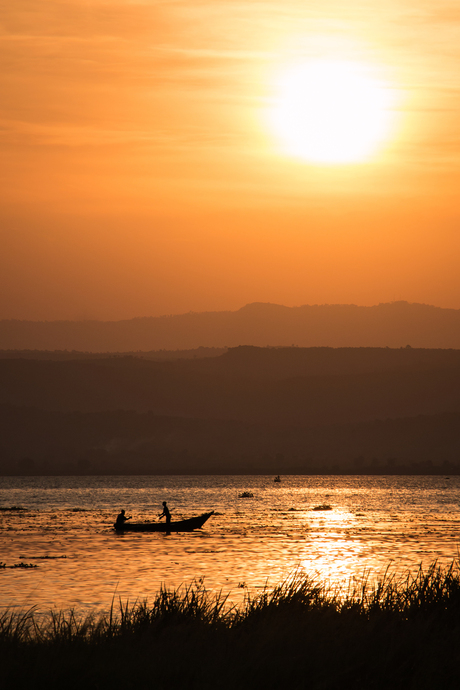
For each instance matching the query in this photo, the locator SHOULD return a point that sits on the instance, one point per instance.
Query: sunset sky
(144, 170)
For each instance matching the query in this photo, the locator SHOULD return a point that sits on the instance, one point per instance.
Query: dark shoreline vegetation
(389, 634)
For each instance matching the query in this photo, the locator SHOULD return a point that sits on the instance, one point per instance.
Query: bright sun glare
(332, 112)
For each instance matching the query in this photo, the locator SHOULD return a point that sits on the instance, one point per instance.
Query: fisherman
(166, 514)
(121, 518)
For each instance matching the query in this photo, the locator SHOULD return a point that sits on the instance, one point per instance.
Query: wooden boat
(179, 526)
(277, 478)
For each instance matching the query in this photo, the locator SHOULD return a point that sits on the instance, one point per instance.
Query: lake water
(249, 543)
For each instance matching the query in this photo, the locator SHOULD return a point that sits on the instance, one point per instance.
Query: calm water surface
(247, 544)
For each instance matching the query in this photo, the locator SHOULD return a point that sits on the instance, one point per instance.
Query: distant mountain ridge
(395, 324)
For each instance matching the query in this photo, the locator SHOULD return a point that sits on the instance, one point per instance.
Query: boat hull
(179, 526)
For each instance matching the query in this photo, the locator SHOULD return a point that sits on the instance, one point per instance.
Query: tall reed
(392, 632)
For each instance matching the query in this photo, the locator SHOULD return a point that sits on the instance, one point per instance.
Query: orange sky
(139, 175)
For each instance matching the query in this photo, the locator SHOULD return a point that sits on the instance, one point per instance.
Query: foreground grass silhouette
(394, 633)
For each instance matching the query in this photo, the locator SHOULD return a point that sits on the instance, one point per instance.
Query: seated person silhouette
(166, 513)
(121, 519)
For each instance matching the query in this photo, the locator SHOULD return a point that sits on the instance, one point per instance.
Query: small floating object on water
(246, 494)
(42, 557)
(277, 478)
(323, 506)
(18, 565)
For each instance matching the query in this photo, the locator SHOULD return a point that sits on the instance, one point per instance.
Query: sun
(332, 112)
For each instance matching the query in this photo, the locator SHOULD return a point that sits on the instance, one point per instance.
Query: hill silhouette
(285, 386)
(126, 442)
(395, 324)
(248, 410)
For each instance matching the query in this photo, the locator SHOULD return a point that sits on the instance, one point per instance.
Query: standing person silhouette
(121, 519)
(166, 514)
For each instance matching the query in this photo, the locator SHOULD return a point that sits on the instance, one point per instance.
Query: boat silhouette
(180, 526)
